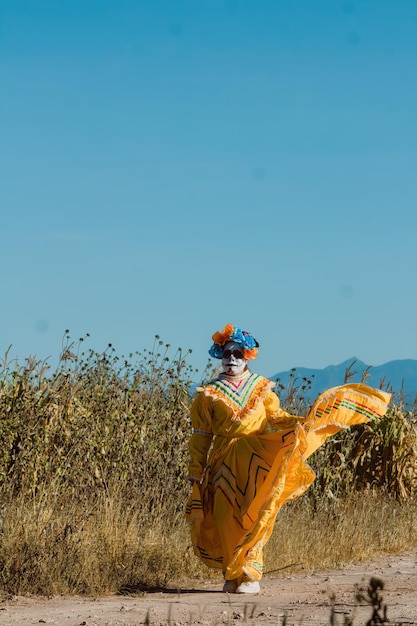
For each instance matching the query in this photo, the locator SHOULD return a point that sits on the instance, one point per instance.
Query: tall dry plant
(379, 457)
(98, 424)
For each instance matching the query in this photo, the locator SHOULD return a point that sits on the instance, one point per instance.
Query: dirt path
(302, 598)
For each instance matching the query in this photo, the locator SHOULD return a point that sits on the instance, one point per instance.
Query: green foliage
(380, 456)
(96, 424)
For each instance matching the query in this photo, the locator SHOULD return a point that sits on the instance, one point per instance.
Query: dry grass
(52, 549)
(348, 530)
(55, 549)
(92, 468)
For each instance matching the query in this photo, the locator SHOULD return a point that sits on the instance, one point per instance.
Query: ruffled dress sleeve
(201, 438)
(277, 417)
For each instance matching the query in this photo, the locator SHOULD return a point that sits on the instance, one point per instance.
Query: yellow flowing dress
(249, 457)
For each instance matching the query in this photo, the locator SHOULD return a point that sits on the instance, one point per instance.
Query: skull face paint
(233, 361)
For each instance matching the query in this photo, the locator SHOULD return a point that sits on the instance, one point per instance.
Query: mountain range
(399, 377)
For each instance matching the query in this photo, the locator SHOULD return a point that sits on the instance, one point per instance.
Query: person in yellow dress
(248, 456)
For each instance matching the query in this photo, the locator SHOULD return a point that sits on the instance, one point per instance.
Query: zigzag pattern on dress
(241, 496)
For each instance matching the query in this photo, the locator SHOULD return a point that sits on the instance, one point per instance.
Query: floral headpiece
(234, 333)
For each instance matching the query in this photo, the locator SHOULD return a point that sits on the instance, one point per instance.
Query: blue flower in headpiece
(216, 351)
(250, 342)
(238, 336)
(243, 338)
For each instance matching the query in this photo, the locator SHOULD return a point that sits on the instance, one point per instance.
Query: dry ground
(304, 598)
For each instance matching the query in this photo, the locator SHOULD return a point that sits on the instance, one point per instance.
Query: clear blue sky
(169, 166)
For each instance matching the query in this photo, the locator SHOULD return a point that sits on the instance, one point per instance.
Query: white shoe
(230, 586)
(249, 586)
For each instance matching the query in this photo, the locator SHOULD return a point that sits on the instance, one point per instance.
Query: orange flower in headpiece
(250, 354)
(224, 336)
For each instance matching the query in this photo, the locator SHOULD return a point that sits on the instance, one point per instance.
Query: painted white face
(233, 361)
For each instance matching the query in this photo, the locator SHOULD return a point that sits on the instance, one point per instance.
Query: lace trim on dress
(242, 395)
